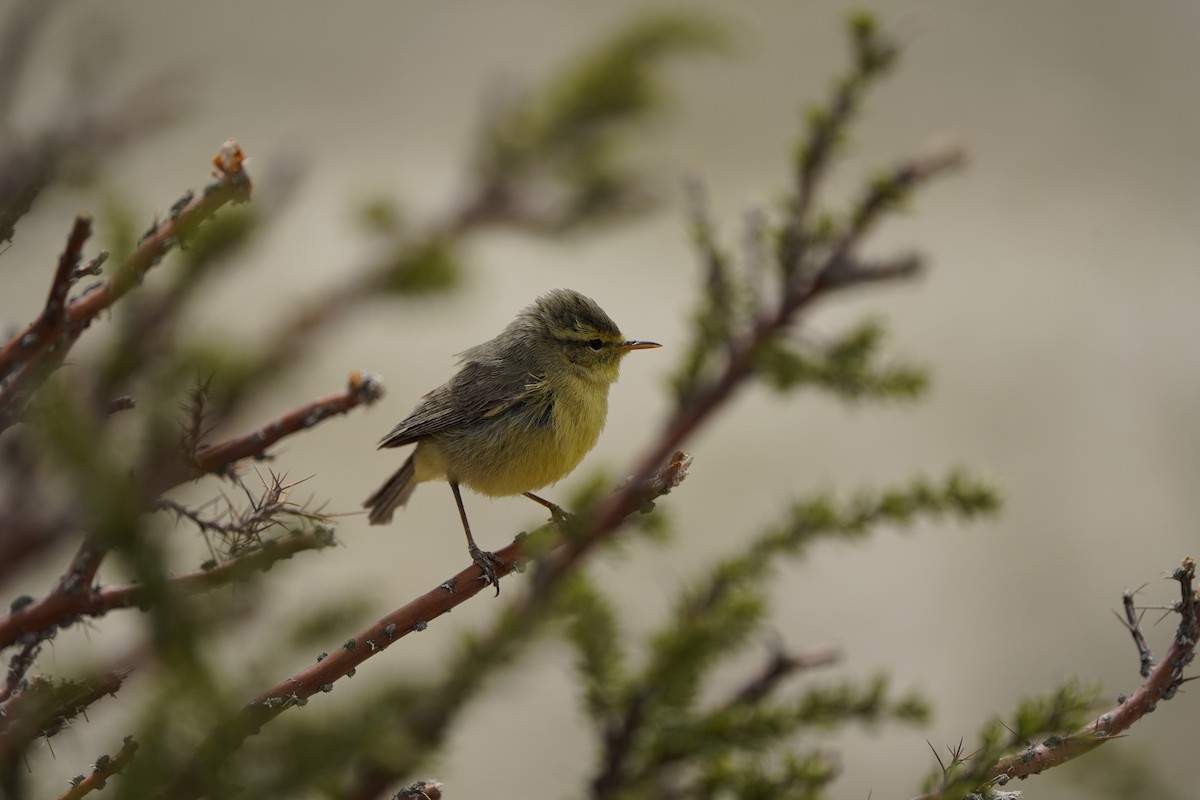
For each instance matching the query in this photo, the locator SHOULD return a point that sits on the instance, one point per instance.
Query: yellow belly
(506, 457)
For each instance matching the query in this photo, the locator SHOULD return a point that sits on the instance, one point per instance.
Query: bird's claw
(561, 517)
(488, 562)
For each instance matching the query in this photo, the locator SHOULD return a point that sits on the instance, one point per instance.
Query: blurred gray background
(1058, 316)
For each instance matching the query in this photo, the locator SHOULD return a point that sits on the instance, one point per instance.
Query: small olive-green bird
(522, 412)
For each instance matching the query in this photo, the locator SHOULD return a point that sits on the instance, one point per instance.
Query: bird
(520, 414)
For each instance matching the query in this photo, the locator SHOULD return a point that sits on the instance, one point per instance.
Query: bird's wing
(479, 392)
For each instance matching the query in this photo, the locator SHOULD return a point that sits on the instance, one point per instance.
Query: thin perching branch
(104, 768)
(415, 616)
(56, 608)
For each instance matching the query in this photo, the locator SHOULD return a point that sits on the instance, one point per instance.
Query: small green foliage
(707, 626)
(887, 192)
(218, 239)
(874, 56)
(564, 142)
(848, 367)
(654, 718)
(793, 776)
(424, 267)
(960, 495)
(1058, 714)
(120, 231)
(381, 215)
(616, 82)
(592, 628)
(873, 52)
(721, 313)
(750, 727)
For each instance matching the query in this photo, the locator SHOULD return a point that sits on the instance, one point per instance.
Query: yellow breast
(527, 452)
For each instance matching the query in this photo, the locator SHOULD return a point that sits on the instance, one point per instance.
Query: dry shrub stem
(74, 596)
(1162, 683)
(104, 768)
(414, 616)
(30, 356)
(27, 716)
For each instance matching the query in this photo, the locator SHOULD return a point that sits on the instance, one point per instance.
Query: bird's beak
(636, 345)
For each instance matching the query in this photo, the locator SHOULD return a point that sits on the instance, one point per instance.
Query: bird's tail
(392, 494)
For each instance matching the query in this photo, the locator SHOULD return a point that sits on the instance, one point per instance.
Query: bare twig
(45, 708)
(31, 355)
(1133, 623)
(361, 389)
(18, 666)
(73, 594)
(780, 666)
(61, 606)
(104, 768)
(1162, 683)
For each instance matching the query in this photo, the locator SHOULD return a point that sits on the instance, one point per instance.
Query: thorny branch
(53, 611)
(361, 389)
(31, 622)
(1162, 683)
(218, 459)
(1133, 623)
(44, 708)
(104, 768)
(415, 616)
(28, 358)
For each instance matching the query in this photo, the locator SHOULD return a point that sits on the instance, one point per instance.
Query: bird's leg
(486, 561)
(561, 517)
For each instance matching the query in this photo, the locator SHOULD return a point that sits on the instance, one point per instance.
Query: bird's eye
(595, 344)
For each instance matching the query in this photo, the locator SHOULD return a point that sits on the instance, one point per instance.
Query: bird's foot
(488, 562)
(561, 517)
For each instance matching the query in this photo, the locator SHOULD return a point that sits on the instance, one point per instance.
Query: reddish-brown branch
(1161, 684)
(31, 354)
(360, 390)
(81, 600)
(33, 713)
(74, 596)
(103, 769)
(64, 276)
(415, 616)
